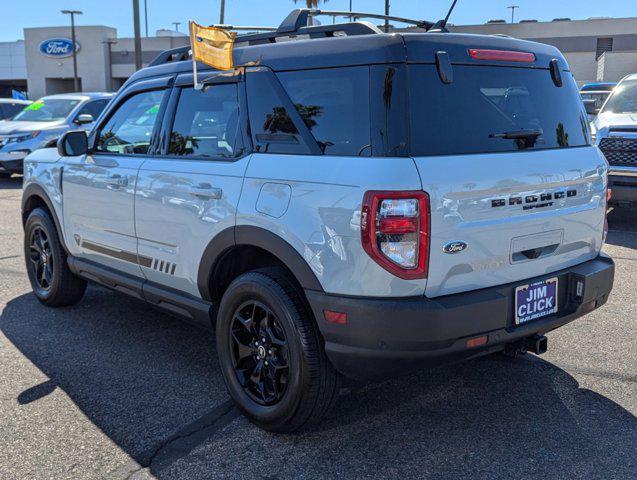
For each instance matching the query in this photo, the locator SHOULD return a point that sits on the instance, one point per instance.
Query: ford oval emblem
(58, 47)
(456, 246)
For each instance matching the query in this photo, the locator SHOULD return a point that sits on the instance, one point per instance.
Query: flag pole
(193, 39)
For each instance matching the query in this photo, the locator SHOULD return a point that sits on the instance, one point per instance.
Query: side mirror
(84, 119)
(73, 143)
(591, 107)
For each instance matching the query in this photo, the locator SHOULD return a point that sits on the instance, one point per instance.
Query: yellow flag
(212, 46)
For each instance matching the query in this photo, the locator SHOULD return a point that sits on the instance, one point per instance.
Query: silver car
(352, 206)
(41, 123)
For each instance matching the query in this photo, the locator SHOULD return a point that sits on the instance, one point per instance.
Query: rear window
(485, 107)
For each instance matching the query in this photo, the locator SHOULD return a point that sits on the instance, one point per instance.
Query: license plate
(535, 300)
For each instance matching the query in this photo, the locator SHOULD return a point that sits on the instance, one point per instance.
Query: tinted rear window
(471, 114)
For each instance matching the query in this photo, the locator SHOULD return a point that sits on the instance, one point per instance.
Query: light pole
(513, 7)
(386, 13)
(176, 24)
(110, 42)
(222, 13)
(76, 80)
(138, 38)
(146, 16)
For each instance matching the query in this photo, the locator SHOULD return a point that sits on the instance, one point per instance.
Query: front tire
(52, 281)
(271, 353)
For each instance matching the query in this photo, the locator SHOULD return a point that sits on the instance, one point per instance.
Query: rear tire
(52, 281)
(286, 383)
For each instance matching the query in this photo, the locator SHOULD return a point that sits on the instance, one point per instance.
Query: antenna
(441, 25)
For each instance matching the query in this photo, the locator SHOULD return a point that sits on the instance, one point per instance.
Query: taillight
(502, 55)
(395, 231)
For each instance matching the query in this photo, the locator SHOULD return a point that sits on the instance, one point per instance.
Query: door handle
(116, 181)
(207, 192)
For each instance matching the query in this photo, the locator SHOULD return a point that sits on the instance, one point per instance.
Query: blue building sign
(58, 47)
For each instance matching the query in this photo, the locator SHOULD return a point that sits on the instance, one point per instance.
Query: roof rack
(239, 28)
(299, 23)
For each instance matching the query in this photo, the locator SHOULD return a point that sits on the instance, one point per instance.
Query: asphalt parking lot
(112, 389)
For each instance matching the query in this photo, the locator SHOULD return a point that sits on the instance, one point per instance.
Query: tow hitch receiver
(537, 344)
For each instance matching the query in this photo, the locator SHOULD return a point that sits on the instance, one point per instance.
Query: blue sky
(118, 13)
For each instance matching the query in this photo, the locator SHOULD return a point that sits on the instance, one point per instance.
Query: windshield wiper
(516, 134)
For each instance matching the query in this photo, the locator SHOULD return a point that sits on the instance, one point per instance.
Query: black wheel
(272, 355)
(51, 280)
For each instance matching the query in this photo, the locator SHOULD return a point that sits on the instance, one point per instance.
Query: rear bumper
(623, 183)
(12, 162)
(385, 336)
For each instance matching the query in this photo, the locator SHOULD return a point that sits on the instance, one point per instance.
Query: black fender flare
(35, 190)
(255, 237)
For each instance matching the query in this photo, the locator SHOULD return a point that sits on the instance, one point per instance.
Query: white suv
(354, 204)
(615, 131)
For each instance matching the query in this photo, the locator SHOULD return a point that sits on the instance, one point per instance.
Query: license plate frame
(536, 305)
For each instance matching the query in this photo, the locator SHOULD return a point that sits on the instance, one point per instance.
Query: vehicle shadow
(622, 224)
(11, 183)
(142, 377)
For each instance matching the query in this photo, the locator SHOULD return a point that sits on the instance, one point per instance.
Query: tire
(307, 386)
(60, 287)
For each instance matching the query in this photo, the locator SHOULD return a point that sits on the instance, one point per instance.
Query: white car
(615, 132)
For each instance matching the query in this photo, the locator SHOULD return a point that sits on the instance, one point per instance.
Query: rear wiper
(516, 134)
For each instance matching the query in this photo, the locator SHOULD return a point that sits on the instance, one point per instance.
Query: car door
(99, 188)
(189, 194)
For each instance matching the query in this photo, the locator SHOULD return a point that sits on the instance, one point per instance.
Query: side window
(207, 123)
(93, 108)
(129, 130)
(334, 104)
(273, 131)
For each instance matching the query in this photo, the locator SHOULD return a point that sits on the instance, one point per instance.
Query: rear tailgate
(472, 203)
(504, 154)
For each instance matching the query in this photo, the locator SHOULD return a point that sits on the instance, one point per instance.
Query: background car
(598, 87)
(10, 107)
(594, 95)
(41, 123)
(615, 132)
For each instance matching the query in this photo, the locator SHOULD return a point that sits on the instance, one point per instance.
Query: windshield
(623, 99)
(47, 110)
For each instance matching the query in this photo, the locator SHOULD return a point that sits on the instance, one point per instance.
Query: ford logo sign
(58, 47)
(456, 246)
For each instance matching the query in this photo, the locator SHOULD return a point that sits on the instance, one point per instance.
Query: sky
(161, 13)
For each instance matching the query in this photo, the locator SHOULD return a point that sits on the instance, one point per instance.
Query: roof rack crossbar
(356, 15)
(349, 29)
(243, 28)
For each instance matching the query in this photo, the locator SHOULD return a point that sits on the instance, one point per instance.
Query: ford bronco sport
(345, 202)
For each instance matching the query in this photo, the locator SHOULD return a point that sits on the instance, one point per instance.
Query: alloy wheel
(41, 257)
(260, 355)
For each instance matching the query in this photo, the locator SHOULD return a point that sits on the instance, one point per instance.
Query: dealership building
(42, 63)
(597, 49)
